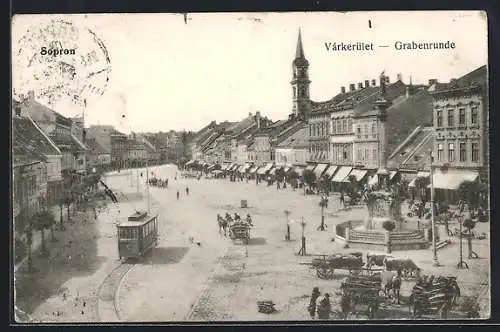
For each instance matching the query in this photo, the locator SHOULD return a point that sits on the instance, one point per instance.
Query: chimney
(400, 77)
(360, 85)
(257, 119)
(433, 81)
(342, 89)
(367, 83)
(374, 82)
(352, 87)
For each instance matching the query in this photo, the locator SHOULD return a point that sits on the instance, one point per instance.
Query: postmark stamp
(59, 60)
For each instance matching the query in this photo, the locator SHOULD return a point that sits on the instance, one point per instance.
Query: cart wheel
(322, 272)
(330, 273)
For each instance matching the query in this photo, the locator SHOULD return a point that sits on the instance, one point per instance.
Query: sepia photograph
(225, 167)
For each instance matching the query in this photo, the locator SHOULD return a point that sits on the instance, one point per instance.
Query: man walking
(312, 304)
(342, 202)
(177, 194)
(187, 191)
(323, 306)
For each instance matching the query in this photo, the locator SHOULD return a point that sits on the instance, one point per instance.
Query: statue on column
(382, 83)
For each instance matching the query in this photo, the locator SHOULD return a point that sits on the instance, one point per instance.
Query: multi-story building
(461, 131)
(98, 156)
(27, 133)
(294, 150)
(60, 130)
(119, 149)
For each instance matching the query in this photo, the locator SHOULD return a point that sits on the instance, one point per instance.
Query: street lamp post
(287, 235)
(461, 263)
(434, 250)
(302, 250)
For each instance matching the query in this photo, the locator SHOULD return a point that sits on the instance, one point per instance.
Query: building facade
(460, 110)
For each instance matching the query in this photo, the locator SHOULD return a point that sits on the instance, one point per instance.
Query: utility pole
(147, 185)
(434, 250)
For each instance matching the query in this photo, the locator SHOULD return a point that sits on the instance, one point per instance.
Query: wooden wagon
(407, 267)
(361, 295)
(325, 265)
(434, 296)
(240, 231)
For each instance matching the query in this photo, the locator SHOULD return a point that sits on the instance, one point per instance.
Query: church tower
(300, 82)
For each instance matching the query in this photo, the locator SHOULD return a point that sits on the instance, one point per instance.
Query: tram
(137, 235)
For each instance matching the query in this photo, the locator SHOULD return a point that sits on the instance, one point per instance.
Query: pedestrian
(177, 194)
(312, 303)
(345, 304)
(396, 287)
(323, 306)
(342, 202)
(187, 191)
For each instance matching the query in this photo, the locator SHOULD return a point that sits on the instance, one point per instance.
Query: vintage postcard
(250, 167)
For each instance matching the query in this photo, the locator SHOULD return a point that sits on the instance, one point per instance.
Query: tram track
(108, 309)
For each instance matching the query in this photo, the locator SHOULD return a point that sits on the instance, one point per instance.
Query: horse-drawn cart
(360, 294)
(240, 231)
(326, 265)
(434, 296)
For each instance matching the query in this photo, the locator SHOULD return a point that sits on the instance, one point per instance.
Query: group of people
(179, 194)
(156, 182)
(226, 221)
(320, 305)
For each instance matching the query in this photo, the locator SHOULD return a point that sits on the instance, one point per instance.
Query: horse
(222, 225)
(392, 288)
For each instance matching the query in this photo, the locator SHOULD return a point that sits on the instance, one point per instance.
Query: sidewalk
(65, 285)
(37, 235)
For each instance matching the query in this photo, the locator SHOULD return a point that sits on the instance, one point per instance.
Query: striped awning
(265, 169)
(190, 162)
(286, 169)
(392, 174)
(272, 171)
(341, 174)
(299, 170)
(319, 169)
(452, 179)
(330, 171)
(359, 174)
(253, 169)
(310, 167)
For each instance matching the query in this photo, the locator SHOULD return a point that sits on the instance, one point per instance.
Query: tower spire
(299, 53)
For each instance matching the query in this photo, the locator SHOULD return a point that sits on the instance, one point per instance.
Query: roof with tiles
(96, 147)
(298, 140)
(414, 150)
(478, 76)
(27, 135)
(405, 114)
(365, 106)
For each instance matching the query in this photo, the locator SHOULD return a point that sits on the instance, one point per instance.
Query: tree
(471, 194)
(323, 203)
(324, 183)
(292, 177)
(389, 225)
(309, 177)
(280, 174)
(43, 220)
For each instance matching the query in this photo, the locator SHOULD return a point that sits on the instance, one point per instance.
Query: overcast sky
(166, 74)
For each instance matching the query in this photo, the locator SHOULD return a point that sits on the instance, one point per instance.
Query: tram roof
(137, 219)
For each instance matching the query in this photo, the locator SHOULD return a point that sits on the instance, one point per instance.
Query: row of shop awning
(449, 180)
